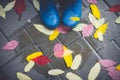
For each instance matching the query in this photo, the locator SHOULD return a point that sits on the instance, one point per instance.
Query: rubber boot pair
(50, 17)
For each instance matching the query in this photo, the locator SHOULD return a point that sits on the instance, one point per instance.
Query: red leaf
(107, 63)
(41, 60)
(11, 45)
(58, 50)
(115, 74)
(19, 6)
(63, 29)
(115, 8)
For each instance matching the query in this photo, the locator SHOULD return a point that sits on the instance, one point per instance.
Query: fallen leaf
(2, 12)
(29, 66)
(55, 72)
(99, 23)
(76, 62)
(54, 35)
(42, 29)
(22, 76)
(92, 1)
(68, 60)
(94, 72)
(58, 50)
(92, 18)
(95, 11)
(72, 76)
(115, 8)
(102, 28)
(9, 6)
(95, 22)
(63, 29)
(113, 73)
(33, 55)
(41, 60)
(67, 51)
(100, 36)
(118, 67)
(20, 6)
(75, 18)
(107, 63)
(67, 56)
(79, 27)
(87, 30)
(11, 45)
(117, 20)
(36, 4)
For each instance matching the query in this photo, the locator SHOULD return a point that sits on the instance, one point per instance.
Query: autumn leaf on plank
(95, 11)
(41, 60)
(55, 72)
(92, 1)
(36, 4)
(87, 30)
(117, 20)
(29, 66)
(94, 72)
(72, 76)
(11, 45)
(79, 27)
(107, 63)
(58, 50)
(20, 6)
(95, 22)
(2, 12)
(22, 76)
(54, 35)
(67, 56)
(33, 55)
(42, 29)
(115, 8)
(76, 62)
(100, 36)
(63, 29)
(113, 73)
(9, 6)
(118, 67)
(102, 29)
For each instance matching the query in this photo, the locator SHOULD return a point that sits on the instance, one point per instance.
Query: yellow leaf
(68, 60)
(95, 70)
(33, 55)
(95, 10)
(54, 35)
(118, 67)
(102, 29)
(75, 18)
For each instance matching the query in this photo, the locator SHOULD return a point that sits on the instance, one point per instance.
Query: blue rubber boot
(49, 14)
(72, 8)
